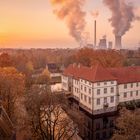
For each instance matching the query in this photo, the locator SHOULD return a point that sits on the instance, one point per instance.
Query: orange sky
(32, 22)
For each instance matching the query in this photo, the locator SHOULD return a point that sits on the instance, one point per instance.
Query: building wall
(56, 87)
(86, 90)
(101, 97)
(65, 83)
(76, 91)
(55, 75)
(103, 92)
(129, 92)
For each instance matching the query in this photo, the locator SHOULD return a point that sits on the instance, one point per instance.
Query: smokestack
(95, 33)
(118, 44)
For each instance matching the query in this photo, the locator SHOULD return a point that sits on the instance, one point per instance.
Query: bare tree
(46, 116)
(128, 125)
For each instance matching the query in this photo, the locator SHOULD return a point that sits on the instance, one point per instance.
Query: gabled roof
(126, 74)
(98, 73)
(93, 74)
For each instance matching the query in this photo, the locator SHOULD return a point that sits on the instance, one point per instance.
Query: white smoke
(122, 15)
(71, 11)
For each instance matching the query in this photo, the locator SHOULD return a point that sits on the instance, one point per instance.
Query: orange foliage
(107, 58)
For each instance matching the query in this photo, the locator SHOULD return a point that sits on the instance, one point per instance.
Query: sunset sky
(31, 23)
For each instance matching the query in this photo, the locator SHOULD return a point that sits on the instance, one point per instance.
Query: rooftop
(98, 73)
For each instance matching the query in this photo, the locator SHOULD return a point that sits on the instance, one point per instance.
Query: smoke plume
(122, 15)
(71, 11)
(95, 14)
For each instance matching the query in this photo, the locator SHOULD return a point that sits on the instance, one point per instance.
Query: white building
(100, 90)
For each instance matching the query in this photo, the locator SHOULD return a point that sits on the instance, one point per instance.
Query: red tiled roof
(99, 73)
(94, 74)
(126, 74)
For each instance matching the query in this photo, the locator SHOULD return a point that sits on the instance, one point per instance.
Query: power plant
(118, 44)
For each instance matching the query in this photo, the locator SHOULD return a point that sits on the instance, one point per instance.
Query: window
(89, 91)
(112, 90)
(85, 89)
(125, 86)
(98, 101)
(85, 97)
(105, 100)
(112, 82)
(81, 96)
(98, 84)
(105, 90)
(111, 123)
(75, 89)
(97, 126)
(131, 85)
(125, 94)
(105, 83)
(137, 84)
(137, 93)
(89, 100)
(97, 136)
(81, 87)
(85, 81)
(98, 91)
(112, 99)
(131, 93)
(104, 134)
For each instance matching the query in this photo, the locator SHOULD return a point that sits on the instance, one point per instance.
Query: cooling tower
(118, 43)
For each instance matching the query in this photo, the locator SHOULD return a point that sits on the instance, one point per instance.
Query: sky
(32, 23)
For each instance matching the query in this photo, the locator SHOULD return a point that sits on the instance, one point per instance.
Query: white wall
(56, 87)
(65, 83)
(101, 86)
(76, 91)
(86, 90)
(55, 75)
(128, 91)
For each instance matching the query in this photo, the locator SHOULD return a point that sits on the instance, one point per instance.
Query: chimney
(95, 33)
(118, 44)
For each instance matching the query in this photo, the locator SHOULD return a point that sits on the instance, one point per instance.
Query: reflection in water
(99, 127)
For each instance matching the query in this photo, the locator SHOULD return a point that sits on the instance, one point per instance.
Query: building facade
(100, 90)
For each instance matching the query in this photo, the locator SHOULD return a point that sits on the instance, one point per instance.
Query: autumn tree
(11, 89)
(5, 60)
(128, 125)
(47, 117)
(43, 78)
(90, 57)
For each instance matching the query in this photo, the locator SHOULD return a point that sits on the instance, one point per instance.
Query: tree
(47, 118)
(5, 60)
(29, 67)
(128, 125)
(44, 78)
(89, 57)
(11, 89)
